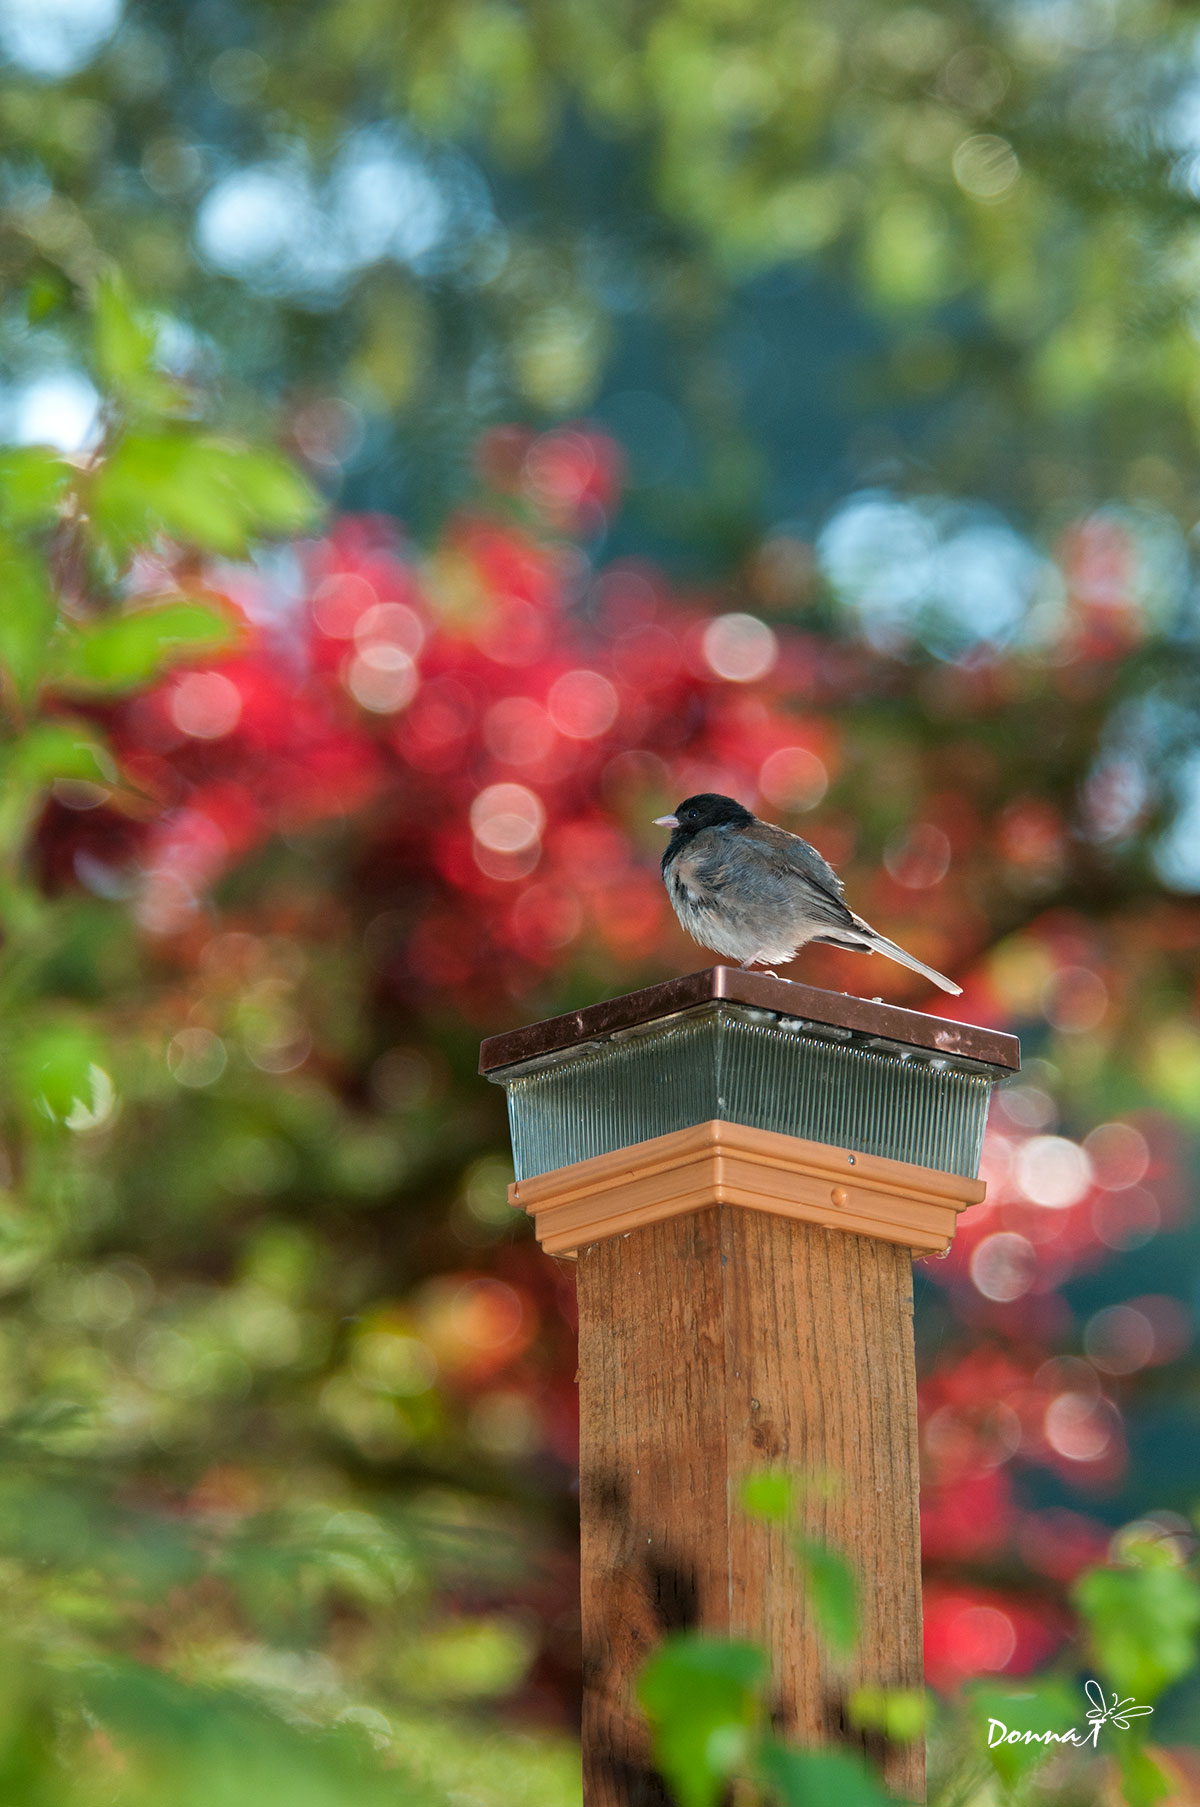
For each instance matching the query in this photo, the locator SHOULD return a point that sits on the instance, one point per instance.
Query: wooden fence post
(743, 1168)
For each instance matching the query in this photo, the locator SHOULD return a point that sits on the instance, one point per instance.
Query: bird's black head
(708, 810)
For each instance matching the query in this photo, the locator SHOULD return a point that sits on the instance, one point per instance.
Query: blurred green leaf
(703, 1699)
(124, 337)
(819, 1778)
(1143, 1783)
(51, 750)
(1039, 1705)
(467, 1658)
(769, 1494)
(772, 1494)
(210, 493)
(33, 482)
(125, 341)
(63, 1068)
(210, 1747)
(27, 615)
(61, 747)
(122, 652)
(48, 291)
(56, 1517)
(899, 1713)
(833, 1591)
(1141, 1618)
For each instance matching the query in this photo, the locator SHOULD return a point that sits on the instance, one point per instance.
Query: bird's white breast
(724, 930)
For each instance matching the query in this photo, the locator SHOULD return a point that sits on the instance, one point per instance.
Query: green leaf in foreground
(125, 342)
(26, 615)
(899, 1713)
(1035, 1706)
(154, 1739)
(61, 748)
(703, 1699)
(819, 1779)
(1143, 1783)
(50, 751)
(833, 1591)
(121, 652)
(1142, 1619)
(63, 1075)
(770, 1494)
(33, 481)
(205, 492)
(773, 1495)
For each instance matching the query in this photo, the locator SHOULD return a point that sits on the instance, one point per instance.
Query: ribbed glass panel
(746, 1067)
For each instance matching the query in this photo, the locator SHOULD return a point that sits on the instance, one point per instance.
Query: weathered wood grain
(712, 1345)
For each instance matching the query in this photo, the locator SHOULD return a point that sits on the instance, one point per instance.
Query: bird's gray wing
(780, 868)
(803, 859)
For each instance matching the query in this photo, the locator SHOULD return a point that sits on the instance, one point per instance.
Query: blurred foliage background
(437, 440)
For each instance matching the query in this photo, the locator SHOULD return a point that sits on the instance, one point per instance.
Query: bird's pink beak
(666, 821)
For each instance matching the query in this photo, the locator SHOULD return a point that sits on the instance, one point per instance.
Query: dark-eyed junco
(757, 894)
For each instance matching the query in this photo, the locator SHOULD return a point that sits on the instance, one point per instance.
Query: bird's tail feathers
(874, 942)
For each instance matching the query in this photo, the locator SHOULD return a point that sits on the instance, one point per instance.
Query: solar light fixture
(742, 1167)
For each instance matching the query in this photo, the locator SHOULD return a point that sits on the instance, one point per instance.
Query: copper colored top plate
(963, 1041)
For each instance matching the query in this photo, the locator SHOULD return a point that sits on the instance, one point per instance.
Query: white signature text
(1101, 1712)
